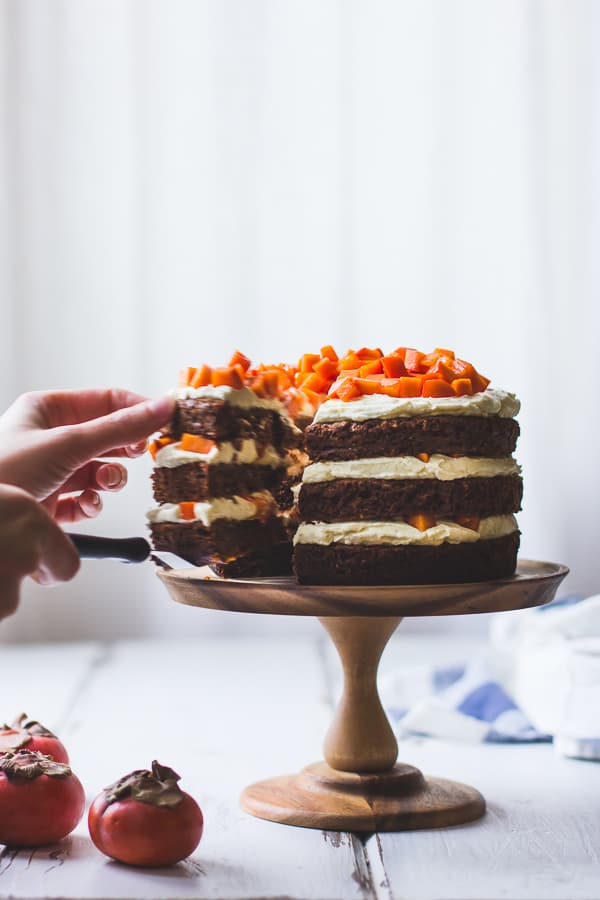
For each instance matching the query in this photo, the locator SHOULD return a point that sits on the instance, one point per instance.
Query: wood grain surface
(226, 712)
(398, 800)
(534, 584)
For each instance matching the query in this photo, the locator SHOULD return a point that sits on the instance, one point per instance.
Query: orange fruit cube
(201, 377)
(393, 366)
(348, 390)
(421, 521)
(462, 386)
(238, 359)
(371, 368)
(326, 368)
(328, 352)
(412, 361)
(368, 386)
(307, 361)
(368, 353)
(196, 443)
(436, 387)
(186, 375)
(471, 522)
(186, 509)
(228, 377)
(315, 382)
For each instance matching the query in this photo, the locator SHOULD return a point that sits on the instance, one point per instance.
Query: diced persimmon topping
(412, 361)
(348, 389)
(307, 361)
(186, 509)
(315, 382)
(328, 352)
(228, 377)
(471, 522)
(202, 376)
(462, 386)
(327, 368)
(437, 387)
(421, 521)
(368, 385)
(393, 366)
(158, 443)
(367, 353)
(186, 375)
(196, 443)
(239, 359)
(350, 361)
(424, 457)
(403, 373)
(371, 368)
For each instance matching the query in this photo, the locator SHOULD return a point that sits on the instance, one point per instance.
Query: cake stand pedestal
(360, 786)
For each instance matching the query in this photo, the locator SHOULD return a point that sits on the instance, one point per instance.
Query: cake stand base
(360, 787)
(401, 799)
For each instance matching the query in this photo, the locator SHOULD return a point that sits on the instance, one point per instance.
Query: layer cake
(411, 478)
(223, 469)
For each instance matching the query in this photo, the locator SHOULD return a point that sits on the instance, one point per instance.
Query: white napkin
(548, 659)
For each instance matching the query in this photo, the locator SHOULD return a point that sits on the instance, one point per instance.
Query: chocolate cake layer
(225, 540)
(222, 422)
(357, 499)
(200, 481)
(276, 560)
(451, 435)
(445, 564)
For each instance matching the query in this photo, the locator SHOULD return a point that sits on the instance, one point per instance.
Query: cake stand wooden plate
(360, 786)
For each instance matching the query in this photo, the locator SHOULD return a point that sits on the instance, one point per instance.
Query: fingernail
(137, 449)
(93, 498)
(42, 576)
(113, 476)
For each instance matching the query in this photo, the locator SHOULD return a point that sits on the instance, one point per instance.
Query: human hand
(31, 543)
(50, 441)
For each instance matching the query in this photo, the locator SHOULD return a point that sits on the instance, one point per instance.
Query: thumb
(122, 428)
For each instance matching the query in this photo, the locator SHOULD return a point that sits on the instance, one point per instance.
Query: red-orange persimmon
(41, 800)
(145, 819)
(27, 734)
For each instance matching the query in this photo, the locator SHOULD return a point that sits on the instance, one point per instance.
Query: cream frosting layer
(444, 468)
(238, 508)
(243, 398)
(171, 455)
(490, 402)
(399, 533)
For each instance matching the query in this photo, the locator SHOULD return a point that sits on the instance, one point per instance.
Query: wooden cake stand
(360, 787)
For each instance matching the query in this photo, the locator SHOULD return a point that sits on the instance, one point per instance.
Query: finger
(97, 475)
(9, 596)
(58, 560)
(130, 452)
(122, 428)
(83, 506)
(50, 409)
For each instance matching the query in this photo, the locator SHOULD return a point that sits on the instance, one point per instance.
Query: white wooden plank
(223, 713)
(43, 680)
(542, 830)
(539, 838)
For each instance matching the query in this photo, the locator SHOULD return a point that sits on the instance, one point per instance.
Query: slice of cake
(222, 466)
(411, 477)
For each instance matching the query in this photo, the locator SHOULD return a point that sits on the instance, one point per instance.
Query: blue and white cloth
(537, 680)
(467, 703)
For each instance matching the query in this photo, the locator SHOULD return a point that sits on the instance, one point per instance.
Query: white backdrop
(183, 177)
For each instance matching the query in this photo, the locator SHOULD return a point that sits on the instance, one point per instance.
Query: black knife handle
(131, 550)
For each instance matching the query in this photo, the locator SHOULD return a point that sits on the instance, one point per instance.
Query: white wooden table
(225, 712)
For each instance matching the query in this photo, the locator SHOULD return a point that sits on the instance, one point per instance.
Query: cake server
(127, 550)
